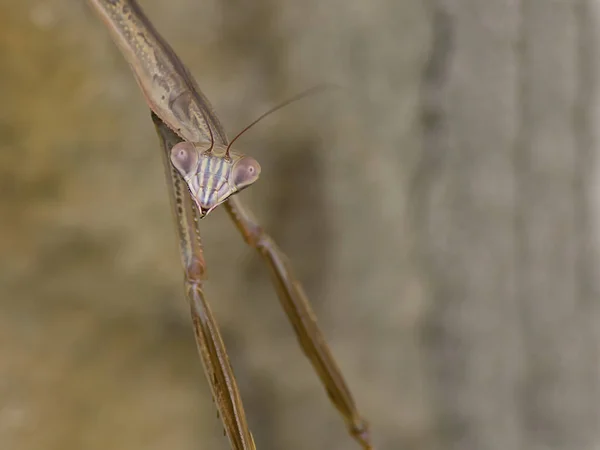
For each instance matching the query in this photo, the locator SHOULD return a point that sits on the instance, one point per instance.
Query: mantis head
(212, 174)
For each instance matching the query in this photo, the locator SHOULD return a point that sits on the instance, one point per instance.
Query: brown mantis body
(202, 173)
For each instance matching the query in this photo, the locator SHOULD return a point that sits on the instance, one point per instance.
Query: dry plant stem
(181, 112)
(208, 338)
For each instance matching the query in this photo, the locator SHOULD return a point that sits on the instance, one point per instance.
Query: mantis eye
(184, 157)
(245, 172)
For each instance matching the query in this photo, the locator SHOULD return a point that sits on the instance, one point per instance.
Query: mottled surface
(95, 340)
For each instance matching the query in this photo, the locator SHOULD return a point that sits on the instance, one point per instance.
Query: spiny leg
(303, 320)
(211, 348)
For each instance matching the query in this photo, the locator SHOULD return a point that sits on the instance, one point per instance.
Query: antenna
(301, 95)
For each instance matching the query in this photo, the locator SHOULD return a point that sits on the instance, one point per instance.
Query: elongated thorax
(163, 79)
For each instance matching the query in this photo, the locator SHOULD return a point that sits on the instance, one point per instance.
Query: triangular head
(213, 174)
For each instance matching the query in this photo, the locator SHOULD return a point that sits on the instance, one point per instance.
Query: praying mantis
(203, 172)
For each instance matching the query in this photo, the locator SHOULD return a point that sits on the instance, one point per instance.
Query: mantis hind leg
(300, 314)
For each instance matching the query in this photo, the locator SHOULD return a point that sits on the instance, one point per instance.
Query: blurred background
(442, 210)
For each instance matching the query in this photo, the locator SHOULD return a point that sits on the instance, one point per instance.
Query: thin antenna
(301, 95)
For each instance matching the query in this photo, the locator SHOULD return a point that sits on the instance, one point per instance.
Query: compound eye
(245, 172)
(184, 157)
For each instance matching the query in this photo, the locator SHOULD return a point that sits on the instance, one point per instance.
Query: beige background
(441, 211)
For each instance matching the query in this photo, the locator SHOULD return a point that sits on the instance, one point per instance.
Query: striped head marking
(211, 176)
